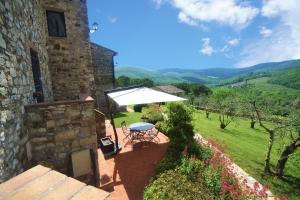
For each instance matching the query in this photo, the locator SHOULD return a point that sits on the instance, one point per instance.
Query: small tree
(249, 95)
(290, 129)
(224, 101)
(270, 131)
(123, 81)
(179, 122)
(205, 104)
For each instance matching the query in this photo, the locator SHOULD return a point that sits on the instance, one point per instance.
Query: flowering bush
(230, 187)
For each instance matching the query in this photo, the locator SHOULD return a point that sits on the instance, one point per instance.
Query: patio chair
(153, 134)
(126, 131)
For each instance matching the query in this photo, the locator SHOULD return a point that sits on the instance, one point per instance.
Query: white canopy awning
(141, 95)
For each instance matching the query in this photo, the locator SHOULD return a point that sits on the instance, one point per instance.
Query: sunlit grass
(247, 148)
(129, 118)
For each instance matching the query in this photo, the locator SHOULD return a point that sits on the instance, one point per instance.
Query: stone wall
(103, 65)
(70, 57)
(58, 129)
(100, 125)
(21, 28)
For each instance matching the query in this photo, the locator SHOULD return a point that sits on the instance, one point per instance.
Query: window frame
(63, 21)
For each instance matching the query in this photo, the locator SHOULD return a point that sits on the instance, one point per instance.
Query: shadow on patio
(131, 169)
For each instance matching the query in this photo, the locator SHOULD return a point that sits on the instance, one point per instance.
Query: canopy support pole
(110, 112)
(112, 122)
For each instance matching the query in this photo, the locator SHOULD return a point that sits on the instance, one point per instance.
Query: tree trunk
(268, 153)
(288, 150)
(271, 139)
(222, 125)
(207, 114)
(252, 124)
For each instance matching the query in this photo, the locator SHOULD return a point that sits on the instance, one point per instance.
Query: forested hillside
(289, 79)
(215, 76)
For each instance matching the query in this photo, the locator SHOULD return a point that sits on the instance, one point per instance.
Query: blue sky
(157, 34)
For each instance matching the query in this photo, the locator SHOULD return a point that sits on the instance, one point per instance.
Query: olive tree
(290, 129)
(204, 103)
(249, 95)
(224, 101)
(287, 127)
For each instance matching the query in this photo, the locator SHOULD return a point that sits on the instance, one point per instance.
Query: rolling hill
(218, 76)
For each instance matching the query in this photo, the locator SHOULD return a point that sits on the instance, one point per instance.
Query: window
(56, 24)
(36, 71)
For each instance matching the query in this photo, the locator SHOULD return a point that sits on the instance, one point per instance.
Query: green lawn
(129, 118)
(247, 147)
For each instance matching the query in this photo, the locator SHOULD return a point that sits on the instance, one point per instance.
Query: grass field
(245, 146)
(129, 118)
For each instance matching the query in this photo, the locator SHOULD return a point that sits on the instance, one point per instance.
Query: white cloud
(227, 12)
(227, 48)
(185, 19)
(158, 3)
(234, 41)
(265, 32)
(112, 19)
(206, 49)
(284, 43)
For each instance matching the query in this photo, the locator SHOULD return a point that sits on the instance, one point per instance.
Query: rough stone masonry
(65, 65)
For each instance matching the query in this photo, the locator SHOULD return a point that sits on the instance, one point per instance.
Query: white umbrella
(142, 95)
(137, 95)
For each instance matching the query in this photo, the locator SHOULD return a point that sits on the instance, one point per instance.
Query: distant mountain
(208, 76)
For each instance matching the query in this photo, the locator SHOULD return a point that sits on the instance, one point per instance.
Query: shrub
(212, 180)
(196, 150)
(178, 113)
(162, 127)
(152, 116)
(166, 164)
(179, 118)
(174, 185)
(171, 160)
(191, 168)
(139, 107)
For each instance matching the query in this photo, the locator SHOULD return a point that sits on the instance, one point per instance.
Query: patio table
(141, 126)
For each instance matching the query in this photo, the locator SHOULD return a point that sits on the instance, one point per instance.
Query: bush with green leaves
(191, 168)
(167, 163)
(212, 180)
(174, 185)
(162, 127)
(171, 160)
(139, 107)
(198, 151)
(152, 116)
(179, 122)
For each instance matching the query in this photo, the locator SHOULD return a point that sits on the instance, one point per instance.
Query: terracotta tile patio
(127, 173)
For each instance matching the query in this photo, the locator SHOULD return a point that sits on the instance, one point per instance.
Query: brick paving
(132, 168)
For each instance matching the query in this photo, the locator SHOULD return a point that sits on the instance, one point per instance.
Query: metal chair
(153, 133)
(125, 130)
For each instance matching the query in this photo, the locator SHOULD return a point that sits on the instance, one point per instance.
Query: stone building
(45, 63)
(103, 64)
